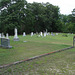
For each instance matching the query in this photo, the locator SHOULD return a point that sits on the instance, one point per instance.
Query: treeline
(33, 17)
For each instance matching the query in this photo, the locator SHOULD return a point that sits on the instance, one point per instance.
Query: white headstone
(24, 34)
(7, 36)
(41, 34)
(56, 33)
(32, 34)
(3, 35)
(0, 35)
(44, 34)
(15, 36)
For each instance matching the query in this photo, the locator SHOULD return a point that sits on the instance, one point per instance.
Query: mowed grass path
(33, 47)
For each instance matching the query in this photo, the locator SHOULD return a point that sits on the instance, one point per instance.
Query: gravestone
(44, 34)
(48, 33)
(56, 33)
(7, 36)
(0, 35)
(52, 34)
(32, 34)
(24, 34)
(41, 34)
(3, 35)
(5, 43)
(73, 41)
(16, 36)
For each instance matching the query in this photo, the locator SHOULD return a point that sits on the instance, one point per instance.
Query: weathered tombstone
(3, 35)
(15, 36)
(44, 34)
(0, 35)
(5, 43)
(32, 34)
(24, 34)
(52, 34)
(7, 36)
(73, 41)
(46, 31)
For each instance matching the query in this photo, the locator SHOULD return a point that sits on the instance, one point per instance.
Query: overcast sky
(66, 6)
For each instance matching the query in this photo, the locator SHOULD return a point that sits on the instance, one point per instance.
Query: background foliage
(34, 17)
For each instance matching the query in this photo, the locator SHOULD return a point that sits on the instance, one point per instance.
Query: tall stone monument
(16, 36)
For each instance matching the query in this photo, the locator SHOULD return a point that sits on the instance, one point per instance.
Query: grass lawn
(58, 63)
(62, 63)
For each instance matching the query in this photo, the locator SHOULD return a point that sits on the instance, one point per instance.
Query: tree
(28, 17)
(12, 16)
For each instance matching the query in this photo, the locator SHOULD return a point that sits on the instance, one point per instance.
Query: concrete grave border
(35, 57)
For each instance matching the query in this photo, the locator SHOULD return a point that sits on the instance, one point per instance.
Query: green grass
(58, 63)
(33, 47)
(62, 63)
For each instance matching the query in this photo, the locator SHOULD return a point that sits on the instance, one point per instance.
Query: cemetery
(33, 47)
(37, 38)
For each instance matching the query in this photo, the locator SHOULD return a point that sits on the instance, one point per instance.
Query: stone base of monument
(16, 39)
(5, 43)
(5, 46)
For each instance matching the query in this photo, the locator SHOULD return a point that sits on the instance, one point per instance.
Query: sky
(66, 6)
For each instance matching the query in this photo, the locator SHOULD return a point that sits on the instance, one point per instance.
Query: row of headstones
(41, 34)
(5, 41)
(44, 34)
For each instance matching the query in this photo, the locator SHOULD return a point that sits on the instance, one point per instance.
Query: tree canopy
(34, 17)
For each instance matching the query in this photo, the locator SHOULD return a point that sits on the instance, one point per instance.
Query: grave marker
(15, 36)
(5, 43)
(24, 34)
(41, 34)
(0, 35)
(32, 34)
(44, 34)
(7, 36)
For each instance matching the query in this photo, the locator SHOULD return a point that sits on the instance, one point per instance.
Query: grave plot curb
(7, 65)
